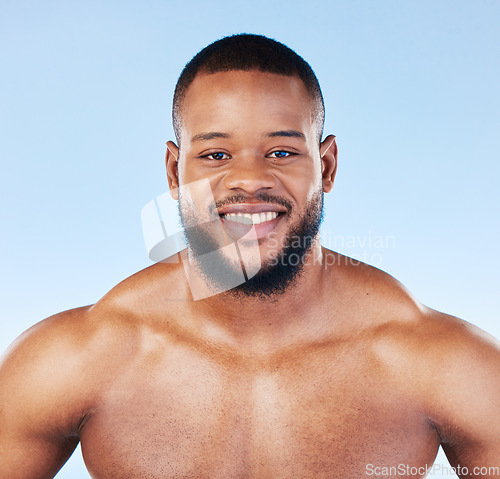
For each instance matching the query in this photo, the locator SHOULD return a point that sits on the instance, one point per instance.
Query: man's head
(254, 135)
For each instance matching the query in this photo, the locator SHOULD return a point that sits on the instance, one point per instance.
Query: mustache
(261, 197)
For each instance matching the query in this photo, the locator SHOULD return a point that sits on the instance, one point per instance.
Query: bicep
(472, 439)
(473, 460)
(38, 415)
(27, 454)
(468, 399)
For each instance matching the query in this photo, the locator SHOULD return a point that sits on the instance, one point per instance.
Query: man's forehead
(216, 103)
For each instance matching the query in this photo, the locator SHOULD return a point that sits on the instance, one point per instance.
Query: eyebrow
(210, 135)
(288, 134)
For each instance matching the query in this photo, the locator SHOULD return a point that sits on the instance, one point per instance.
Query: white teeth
(249, 219)
(239, 218)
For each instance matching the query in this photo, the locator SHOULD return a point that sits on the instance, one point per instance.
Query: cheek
(307, 182)
(316, 181)
(190, 172)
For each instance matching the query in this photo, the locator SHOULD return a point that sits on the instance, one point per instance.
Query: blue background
(411, 91)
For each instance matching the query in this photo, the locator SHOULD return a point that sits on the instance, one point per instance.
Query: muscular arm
(41, 399)
(467, 400)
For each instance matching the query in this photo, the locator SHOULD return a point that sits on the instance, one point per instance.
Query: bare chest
(309, 416)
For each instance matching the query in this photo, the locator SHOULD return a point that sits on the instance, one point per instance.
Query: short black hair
(247, 52)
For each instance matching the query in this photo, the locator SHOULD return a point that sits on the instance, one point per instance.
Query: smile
(251, 218)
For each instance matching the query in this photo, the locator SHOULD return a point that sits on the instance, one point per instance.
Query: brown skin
(343, 370)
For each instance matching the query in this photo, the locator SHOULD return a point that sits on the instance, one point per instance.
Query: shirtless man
(328, 369)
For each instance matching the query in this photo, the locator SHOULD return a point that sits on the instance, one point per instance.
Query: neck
(272, 321)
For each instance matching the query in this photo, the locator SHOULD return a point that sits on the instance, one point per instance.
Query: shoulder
(447, 370)
(400, 323)
(446, 366)
(60, 366)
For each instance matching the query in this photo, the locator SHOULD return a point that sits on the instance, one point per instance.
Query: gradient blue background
(411, 91)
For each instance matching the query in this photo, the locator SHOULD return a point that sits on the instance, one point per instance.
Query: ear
(328, 153)
(171, 163)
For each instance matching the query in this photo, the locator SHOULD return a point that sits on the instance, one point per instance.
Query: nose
(249, 175)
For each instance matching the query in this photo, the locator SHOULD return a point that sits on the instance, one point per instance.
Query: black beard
(274, 278)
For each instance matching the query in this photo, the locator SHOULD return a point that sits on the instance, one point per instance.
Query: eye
(217, 156)
(280, 154)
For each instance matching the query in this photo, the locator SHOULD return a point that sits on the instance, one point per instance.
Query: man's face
(254, 137)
